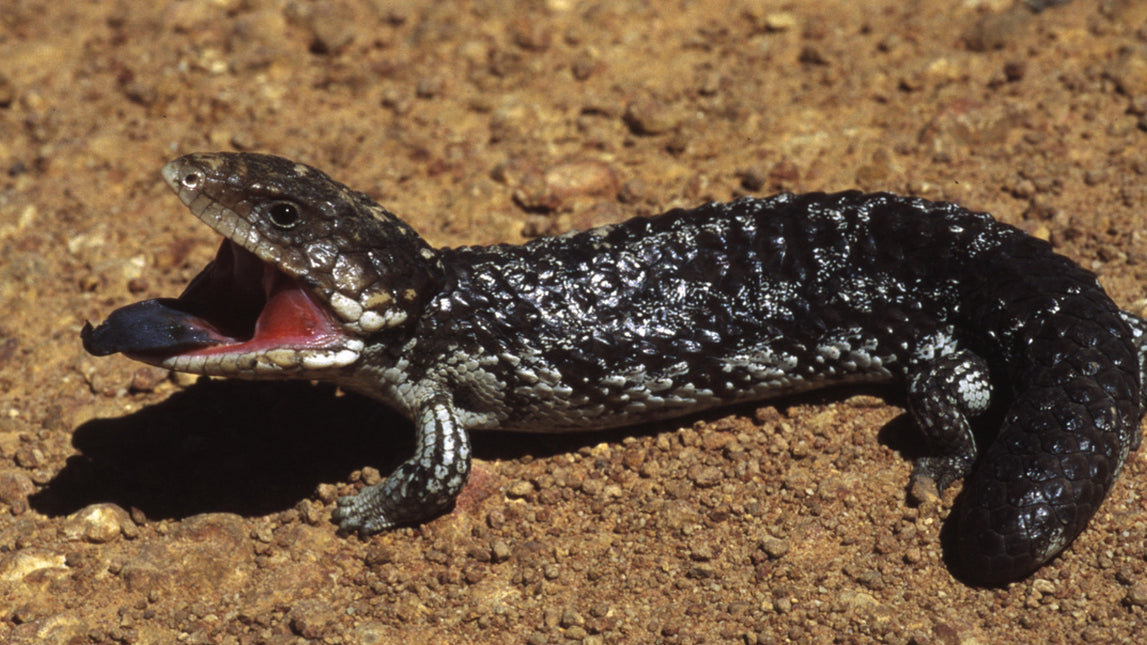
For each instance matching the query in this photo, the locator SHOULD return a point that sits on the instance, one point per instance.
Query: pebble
(651, 116)
(705, 476)
(562, 184)
(701, 552)
(375, 633)
(332, 25)
(209, 551)
(994, 31)
(96, 523)
(15, 487)
(309, 618)
(592, 487)
(20, 564)
(753, 179)
(500, 551)
(571, 618)
(1129, 72)
(1137, 594)
(774, 547)
(519, 489)
(145, 379)
(780, 21)
(859, 601)
(923, 491)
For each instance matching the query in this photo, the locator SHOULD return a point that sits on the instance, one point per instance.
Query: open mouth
(238, 306)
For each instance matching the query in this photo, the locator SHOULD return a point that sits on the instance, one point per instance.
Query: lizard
(663, 316)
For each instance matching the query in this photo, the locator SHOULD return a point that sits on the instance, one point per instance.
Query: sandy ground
(142, 507)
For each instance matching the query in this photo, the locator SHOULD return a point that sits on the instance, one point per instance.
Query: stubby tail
(1077, 363)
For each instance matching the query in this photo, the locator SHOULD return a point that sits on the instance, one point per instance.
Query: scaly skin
(665, 316)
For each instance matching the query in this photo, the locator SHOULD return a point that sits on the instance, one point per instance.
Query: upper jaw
(243, 315)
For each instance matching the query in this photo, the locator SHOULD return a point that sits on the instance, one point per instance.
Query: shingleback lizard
(664, 316)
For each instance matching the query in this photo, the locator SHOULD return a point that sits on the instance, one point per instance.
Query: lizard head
(308, 270)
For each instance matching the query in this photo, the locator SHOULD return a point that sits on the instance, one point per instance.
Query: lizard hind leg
(943, 397)
(423, 486)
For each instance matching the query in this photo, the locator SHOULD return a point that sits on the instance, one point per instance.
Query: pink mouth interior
(250, 306)
(237, 305)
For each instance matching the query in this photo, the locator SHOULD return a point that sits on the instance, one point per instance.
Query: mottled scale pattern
(756, 298)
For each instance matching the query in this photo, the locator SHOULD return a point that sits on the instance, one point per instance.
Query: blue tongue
(152, 326)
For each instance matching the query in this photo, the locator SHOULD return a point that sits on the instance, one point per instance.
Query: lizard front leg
(421, 487)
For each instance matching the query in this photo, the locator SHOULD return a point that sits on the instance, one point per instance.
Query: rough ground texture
(141, 507)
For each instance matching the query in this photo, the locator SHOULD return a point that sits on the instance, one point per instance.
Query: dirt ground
(144, 507)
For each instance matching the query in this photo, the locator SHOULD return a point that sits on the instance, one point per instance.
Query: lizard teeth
(347, 309)
(372, 321)
(322, 360)
(283, 357)
(269, 362)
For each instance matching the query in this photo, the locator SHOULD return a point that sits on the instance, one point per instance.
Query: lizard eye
(191, 180)
(284, 215)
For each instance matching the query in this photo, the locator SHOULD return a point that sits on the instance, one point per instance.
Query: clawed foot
(363, 512)
(931, 476)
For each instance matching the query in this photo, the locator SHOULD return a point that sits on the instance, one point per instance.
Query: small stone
(780, 21)
(813, 55)
(701, 552)
(1094, 634)
(371, 476)
(17, 565)
(480, 552)
(429, 87)
(994, 31)
(859, 601)
(592, 487)
(375, 633)
(97, 523)
(564, 183)
(327, 493)
(332, 26)
(651, 116)
(1137, 594)
(784, 173)
(633, 458)
(532, 35)
(500, 550)
(145, 379)
(519, 489)
(705, 476)
(570, 618)
(753, 179)
(15, 487)
(923, 491)
(774, 547)
(141, 93)
(633, 191)
(584, 67)
(1129, 72)
(30, 457)
(309, 618)
(1015, 70)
